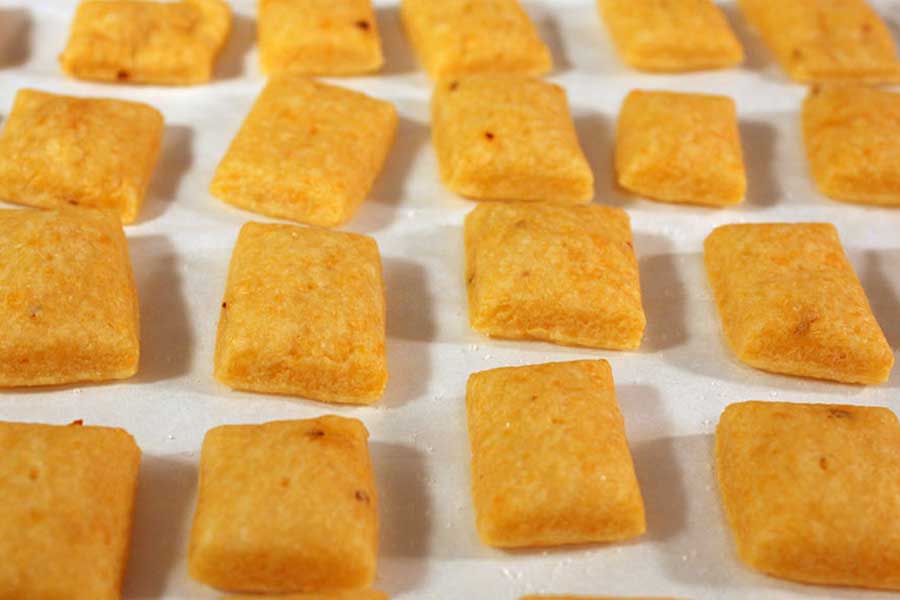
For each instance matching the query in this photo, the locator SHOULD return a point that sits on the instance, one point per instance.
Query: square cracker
(319, 37)
(564, 274)
(68, 304)
(66, 504)
(550, 462)
(680, 35)
(824, 40)
(143, 41)
(505, 137)
(455, 38)
(812, 491)
(61, 150)
(357, 595)
(790, 302)
(852, 137)
(682, 148)
(304, 314)
(307, 151)
(287, 506)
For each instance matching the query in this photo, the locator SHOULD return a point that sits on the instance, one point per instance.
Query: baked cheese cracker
(455, 38)
(68, 304)
(307, 151)
(812, 491)
(66, 504)
(791, 303)
(550, 462)
(144, 41)
(319, 37)
(682, 148)
(287, 506)
(503, 137)
(563, 274)
(852, 139)
(357, 595)
(304, 315)
(672, 36)
(824, 40)
(66, 151)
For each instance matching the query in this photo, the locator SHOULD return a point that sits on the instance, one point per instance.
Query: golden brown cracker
(790, 302)
(455, 38)
(287, 506)
(564, 274)
(319, 37)
(550, 462)
(823, 40)
(671, 36)
(60, 151)
(502, 137)
(304, 314)
(143, 41)
(812, 491)
(682, 148)
(852, 143)
(307, 151)
(66, 505)
(68, 304)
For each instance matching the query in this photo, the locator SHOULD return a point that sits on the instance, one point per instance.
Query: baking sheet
(671, 391)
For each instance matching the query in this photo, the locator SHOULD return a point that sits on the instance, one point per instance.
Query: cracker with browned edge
(307, 151)
(505, 137)
(144, 41)
(790, 302)
(455, 38)
(67, 151)
(812, 491)
(66, 504)
(824, 40)
(671, 36)
(304, 314)
(550, 462)
(681, 148)
(319, 37)
(287, 506)
(852, 137)
(68, 303)
(563, 274)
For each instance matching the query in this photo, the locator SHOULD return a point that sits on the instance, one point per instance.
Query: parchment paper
(671, 391)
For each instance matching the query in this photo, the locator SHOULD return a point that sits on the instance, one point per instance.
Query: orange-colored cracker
(550, 462)
(852, 139)
(564, 274)
(287, 506)
(144, 41)
(68, 304)
(504, 137)
(66, 504)
(304, 314)
(791, 303)
(824, 40)
(812, 491)
(307, 151)
(319, 37)
(61, 150)
(676, 35)
(454, 38)
(682, 148)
